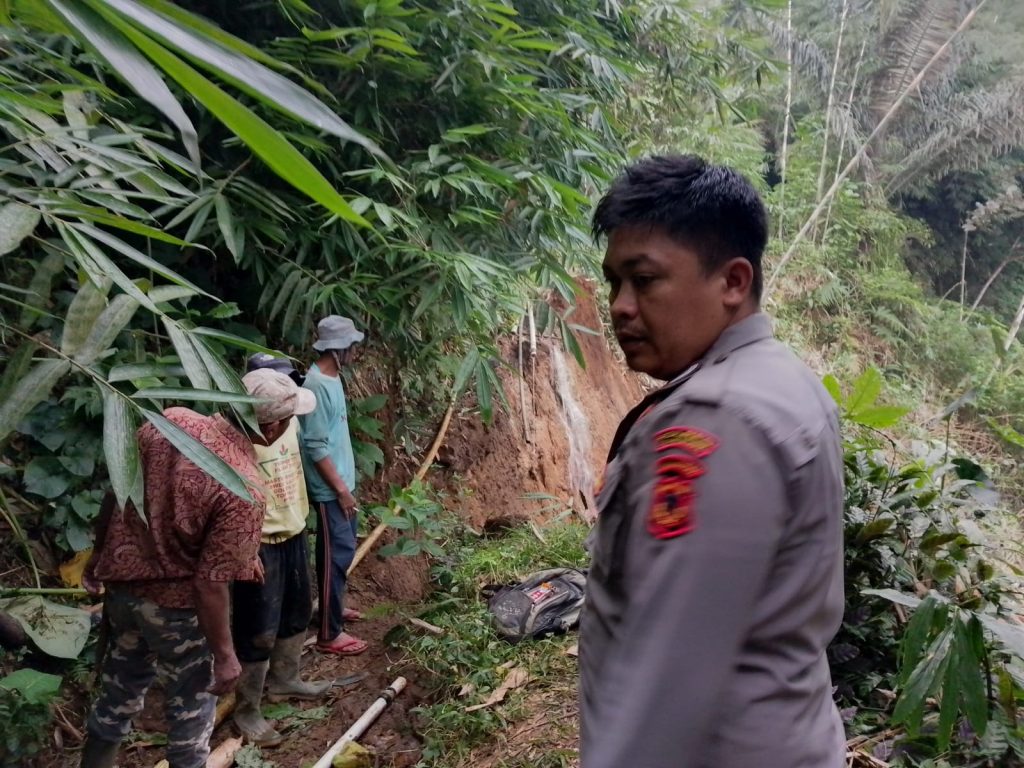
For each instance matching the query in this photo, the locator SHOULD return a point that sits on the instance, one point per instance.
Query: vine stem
(19, 534)
(43, 591)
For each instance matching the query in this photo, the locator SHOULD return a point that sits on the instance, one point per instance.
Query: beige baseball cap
(280, 397)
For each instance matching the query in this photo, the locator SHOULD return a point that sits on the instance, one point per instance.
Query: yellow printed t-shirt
(280, 467)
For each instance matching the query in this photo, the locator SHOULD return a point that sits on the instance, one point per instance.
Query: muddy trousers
(145, 637)
(280, 607)
(335, 549)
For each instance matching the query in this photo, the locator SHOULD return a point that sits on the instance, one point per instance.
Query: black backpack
(544, 603)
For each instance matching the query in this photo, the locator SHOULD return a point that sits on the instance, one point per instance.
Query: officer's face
(666, 310)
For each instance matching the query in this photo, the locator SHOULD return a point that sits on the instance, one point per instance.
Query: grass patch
(470, 658)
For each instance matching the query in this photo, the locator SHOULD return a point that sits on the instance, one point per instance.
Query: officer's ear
(737, 282)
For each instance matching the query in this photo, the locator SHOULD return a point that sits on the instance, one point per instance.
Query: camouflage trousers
(146, 638)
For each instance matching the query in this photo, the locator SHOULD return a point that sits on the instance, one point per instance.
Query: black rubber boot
(98, 753)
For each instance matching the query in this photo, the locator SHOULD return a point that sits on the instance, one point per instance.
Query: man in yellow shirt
(269, 620)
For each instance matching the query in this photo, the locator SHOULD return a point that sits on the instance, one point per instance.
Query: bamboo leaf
(29, 391)
(190, 360)
(135, 371)
(17, 366)
(99, 266)
(110, 323)
(240, 70)
(86, 307)
(17, 222)
(232, 339)
(198, 395)
(199, 454)
(270, 145)
(137, 256)
(469, 363)
(99, 216)
(121, 450)
(40, 287)
(226, 223)
(131, 67)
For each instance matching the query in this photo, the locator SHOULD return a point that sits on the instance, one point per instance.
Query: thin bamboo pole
(377, 532)
(886, 119)
(789, 111)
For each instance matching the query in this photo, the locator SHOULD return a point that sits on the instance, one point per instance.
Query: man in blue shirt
(329, 466)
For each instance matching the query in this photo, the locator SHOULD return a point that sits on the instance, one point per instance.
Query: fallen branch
(377, 532)
(427, 626)
(224, 755)
(363, 723)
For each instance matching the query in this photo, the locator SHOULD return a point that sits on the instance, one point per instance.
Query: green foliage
(418, 516)
(912, 528)
(25, 697)
(367, 432)
(469, 656)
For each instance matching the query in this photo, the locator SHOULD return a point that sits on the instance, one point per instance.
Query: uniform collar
(757, 327)
(749, 330)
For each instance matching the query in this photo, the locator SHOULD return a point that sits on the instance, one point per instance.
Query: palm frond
(912, 35)
(978, 126)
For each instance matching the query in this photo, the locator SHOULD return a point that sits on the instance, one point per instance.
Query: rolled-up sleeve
(315, 429)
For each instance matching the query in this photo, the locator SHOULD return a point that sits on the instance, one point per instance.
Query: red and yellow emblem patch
(681, 452)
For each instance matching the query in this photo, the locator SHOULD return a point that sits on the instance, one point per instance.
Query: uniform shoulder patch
(680, 461)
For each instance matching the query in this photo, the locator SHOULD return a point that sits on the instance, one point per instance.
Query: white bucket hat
(336, 332)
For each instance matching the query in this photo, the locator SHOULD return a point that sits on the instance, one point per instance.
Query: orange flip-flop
(352, 646)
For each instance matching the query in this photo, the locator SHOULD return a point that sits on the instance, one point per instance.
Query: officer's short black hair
(709, 208)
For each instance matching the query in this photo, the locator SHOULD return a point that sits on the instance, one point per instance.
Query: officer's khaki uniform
(716, 582)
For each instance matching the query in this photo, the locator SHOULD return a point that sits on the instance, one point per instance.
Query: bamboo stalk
(831, 101)
(886, 119)
(842, 139)
(789, 112)
(991, 278)
(963, 277)
(377, 532)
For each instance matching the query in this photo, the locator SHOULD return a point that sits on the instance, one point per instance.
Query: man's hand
(348, 504)
(226, 671)
(259, 572)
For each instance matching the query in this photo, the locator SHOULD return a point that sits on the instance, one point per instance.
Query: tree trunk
(1015, 326)
(842, 139)
(831, 101)
(963, 277)
(992, 278)
(789, 110)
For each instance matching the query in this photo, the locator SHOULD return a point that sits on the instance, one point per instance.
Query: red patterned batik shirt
(196, 528)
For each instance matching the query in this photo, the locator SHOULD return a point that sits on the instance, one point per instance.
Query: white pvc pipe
(363, 723)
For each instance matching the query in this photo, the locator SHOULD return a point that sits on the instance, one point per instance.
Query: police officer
(716, 582)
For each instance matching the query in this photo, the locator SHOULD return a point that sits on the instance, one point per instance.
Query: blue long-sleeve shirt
(325, 434)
